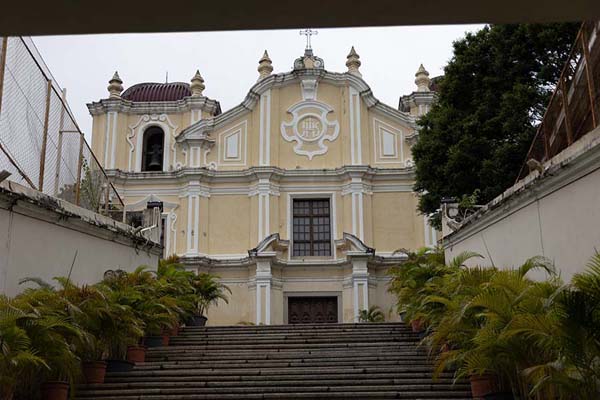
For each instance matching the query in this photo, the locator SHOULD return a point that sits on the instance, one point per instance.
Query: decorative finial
(115, 86)
(422, 80)
(265, 66)
(353, 62)
(197, 85)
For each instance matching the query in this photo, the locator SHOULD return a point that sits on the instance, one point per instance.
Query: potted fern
(373, 314)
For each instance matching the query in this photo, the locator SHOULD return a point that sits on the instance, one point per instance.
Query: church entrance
(312, 310)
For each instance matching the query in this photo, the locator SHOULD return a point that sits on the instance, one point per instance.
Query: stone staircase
(327, 361)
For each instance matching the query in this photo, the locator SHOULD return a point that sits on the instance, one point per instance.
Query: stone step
(187, 360)
(280, 364)
(355, 387)
(334, 361)
(314, 336)
(239, 355)
(442, 395)
(275, 379)
(202, 382)
(407, 369)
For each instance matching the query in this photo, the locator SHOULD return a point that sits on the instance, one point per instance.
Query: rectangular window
(311, 227)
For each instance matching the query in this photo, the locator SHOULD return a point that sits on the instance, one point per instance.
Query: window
(152, 156)
(311, 227)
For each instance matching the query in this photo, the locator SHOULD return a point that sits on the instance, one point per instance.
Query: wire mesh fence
(574, 108)
(40, 142)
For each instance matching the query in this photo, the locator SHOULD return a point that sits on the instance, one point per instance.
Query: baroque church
(298, 198)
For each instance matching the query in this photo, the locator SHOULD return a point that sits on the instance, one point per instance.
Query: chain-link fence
(574, 108)
(40, 142)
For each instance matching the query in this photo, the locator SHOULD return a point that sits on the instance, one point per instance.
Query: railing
(41, 145)
(574, 107)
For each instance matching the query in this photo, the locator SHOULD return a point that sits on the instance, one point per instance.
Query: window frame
(146, 133)
(330, 196)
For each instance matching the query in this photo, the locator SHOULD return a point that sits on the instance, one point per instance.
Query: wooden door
(312, 310)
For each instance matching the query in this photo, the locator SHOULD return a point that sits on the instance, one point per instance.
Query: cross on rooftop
(308, 33)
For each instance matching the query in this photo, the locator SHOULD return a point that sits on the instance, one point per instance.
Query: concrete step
(334, 361)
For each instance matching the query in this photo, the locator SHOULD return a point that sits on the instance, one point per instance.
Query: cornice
(155, 107)
(272, 173)
(296, 76)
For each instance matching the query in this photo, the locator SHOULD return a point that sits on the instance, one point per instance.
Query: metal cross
(308, 33)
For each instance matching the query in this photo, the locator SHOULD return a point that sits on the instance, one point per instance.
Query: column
(263, 291)
(360, 285)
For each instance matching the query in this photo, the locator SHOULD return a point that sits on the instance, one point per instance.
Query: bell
(155, 157)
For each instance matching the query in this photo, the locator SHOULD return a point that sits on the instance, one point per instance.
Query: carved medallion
(310, 128)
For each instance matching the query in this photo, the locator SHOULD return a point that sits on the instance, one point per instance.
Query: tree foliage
(493, 94)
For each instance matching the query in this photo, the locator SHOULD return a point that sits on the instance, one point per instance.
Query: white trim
(264, 156)
(351, 92)
(106, 139)
(378, 153)
(361, 227)
(261, 132)
(173, 230)
(260, 218)
(258, 305)
(241, 130)
(357, 131)
(144, 122)
(193, 224)
(355, 296)
(268, 131)
(114, 139)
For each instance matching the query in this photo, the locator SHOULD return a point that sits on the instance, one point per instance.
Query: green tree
(493, 94)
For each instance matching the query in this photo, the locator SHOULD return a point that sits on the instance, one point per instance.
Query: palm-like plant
(373, 314)
(208, 291)
(52, 334)
(17, 356)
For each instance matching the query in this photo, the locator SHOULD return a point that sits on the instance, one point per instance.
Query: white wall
(557, 216)
(39, 242)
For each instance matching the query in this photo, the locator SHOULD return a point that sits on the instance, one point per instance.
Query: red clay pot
(174, 331)
(136, 354)
(417, 325)
(55, 391)
(165, 339)
(93, 371)
(482, 385)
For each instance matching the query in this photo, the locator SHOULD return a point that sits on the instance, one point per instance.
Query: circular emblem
(310, 128)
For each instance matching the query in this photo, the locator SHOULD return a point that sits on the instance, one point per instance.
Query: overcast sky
(227, 60)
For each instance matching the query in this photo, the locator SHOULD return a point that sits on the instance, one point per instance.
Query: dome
(151, 91)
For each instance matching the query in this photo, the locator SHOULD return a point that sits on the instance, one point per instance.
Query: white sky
(227, 60)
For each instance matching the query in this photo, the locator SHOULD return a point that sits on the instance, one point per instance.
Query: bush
(46, 332)
(541, 339)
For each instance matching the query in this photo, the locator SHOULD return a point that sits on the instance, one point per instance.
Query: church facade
(298, 198)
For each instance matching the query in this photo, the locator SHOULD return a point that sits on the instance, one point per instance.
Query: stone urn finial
(115, 86)
(197, 85)
(265, 66)
(422, 80)
(353, 62)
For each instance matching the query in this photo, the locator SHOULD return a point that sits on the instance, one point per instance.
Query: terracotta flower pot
(417, 325)
(165, 339)
(136, 354)
(174, 331)
(93, 371)
(55, 391)
(482, 385)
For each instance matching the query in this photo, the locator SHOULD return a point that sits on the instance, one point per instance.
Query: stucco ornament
(310, 128)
